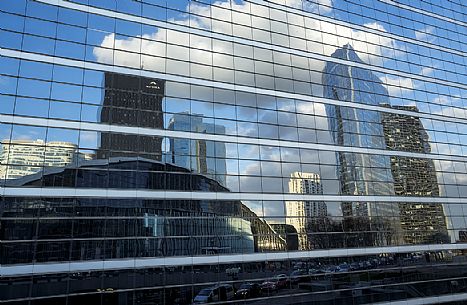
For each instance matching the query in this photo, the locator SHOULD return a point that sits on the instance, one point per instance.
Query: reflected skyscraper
(202, 156)
(136, 102)
(304, 214)
(359, 174)
(420, 222)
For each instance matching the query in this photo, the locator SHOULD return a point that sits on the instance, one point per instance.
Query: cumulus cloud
(313, 35)
(450, 106)
(316, 6)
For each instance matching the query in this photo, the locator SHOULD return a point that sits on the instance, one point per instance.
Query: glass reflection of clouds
(164, 136)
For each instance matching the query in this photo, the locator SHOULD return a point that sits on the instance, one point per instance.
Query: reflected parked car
(248, 290)
(330, 269)
(298, 276)
(343, 267)
(222, 292)
(269, 286)
(282, 281)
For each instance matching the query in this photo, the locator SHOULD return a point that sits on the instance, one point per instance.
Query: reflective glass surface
(191, 152)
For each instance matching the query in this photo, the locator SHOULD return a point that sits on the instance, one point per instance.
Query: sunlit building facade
(25, 157)
(303, 214)
(179, 152)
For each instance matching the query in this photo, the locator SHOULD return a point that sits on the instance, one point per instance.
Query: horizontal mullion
(117, 264)
(59, 192)
(424, 12)
(355, 26)
(215, 84)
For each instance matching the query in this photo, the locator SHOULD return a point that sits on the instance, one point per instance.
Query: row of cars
(226, 292)
(355, 266)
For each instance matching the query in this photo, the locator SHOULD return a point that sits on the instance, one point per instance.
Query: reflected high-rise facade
(360, 174)
(204, 157)
(20, 158)
(135, 102)
(420, 222)
(304, 215)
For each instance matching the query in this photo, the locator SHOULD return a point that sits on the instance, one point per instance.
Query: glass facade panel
(191, 152)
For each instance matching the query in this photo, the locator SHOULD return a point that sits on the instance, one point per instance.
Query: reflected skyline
(122, 92)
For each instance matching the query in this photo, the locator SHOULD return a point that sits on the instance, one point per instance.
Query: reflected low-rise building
(151, 228)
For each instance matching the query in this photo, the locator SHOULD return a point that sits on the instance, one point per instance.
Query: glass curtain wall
(191, 152)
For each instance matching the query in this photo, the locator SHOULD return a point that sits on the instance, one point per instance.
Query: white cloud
(316, 6)
(113, 50)
(397, 84)
(458, 111)
(426, 34)
(426, 71)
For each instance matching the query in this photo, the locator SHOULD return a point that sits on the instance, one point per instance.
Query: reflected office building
(305, 215)
(202, 156)
(162, 152)
(420, 222)
(20, 158)
(135, 102)
(360, 174)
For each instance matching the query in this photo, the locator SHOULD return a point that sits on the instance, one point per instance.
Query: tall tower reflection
(420, 222)
(359, 174)
(202, 156)
(136, 102)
